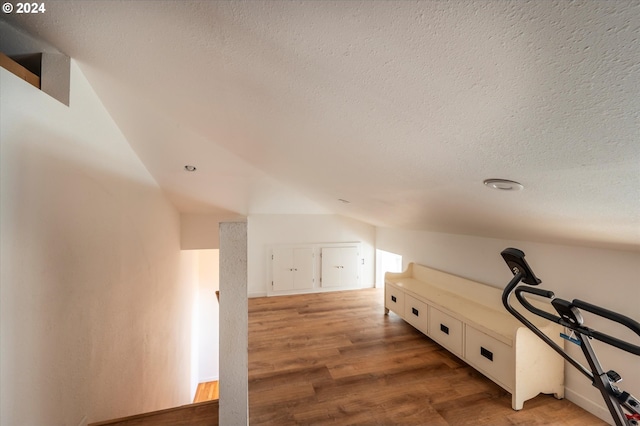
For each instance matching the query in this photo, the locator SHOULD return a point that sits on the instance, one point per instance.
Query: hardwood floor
(335, 358)
(207, 391)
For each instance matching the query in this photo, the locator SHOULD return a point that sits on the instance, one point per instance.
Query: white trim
(582, 401)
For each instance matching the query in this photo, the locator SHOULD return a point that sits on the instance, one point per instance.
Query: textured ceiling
(402, 108)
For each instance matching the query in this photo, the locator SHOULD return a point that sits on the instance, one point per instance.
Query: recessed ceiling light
(503, 184)
(190, 168)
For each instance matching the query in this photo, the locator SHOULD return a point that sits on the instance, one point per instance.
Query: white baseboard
(597, 410)
(251, 295)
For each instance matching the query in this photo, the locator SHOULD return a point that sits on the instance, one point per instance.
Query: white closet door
(282, 263)
(331, 266)
(349, 276)
(303, 268)
(340, 267)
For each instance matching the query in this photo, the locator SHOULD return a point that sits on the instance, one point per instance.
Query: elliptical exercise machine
(570, 317)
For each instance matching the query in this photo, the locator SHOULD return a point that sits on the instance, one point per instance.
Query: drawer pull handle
(415, 312)
(393, 299)
(444, 329)
(486, 353)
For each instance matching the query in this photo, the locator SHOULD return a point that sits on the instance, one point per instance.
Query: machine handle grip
(614, 341)
(529, 307)
(610, 315)
(615, 317)
(602, 312)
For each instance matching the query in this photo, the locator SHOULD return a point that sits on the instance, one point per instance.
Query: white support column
(234, 376)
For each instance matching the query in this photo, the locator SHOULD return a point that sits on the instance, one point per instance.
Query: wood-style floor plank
(335, 358)
(207, 391)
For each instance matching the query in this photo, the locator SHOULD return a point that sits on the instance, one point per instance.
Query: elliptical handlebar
(615, 317)
(571, 318)
(538, 292)
(564, 320)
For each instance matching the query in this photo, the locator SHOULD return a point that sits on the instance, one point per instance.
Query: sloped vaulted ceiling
(402, 108)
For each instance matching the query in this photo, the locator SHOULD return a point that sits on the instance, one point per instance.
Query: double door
(340, 267)
(293, 268)
(314, 267)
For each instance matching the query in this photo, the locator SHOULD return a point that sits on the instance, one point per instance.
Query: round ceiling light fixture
(190, 168)
(503, 184)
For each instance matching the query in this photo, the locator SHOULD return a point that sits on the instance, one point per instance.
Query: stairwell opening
(205, 320)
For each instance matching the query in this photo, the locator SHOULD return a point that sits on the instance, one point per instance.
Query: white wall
(607, 278)
(208, 308)
(201, 230)
(266, 230)
(95, 293)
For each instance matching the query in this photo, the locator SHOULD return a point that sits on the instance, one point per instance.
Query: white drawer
(416, 313)
(394, 300)
(445, 330)
(490, 356)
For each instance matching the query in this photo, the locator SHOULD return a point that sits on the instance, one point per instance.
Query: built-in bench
(468, 318)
